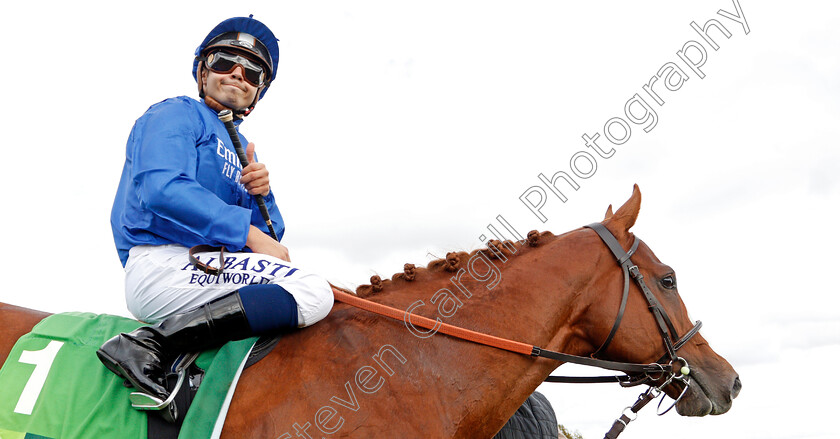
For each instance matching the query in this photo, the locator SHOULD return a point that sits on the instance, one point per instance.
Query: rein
(490, 340)
(641, 373)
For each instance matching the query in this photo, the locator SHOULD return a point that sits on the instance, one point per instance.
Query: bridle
(657, 375)
(663, 322)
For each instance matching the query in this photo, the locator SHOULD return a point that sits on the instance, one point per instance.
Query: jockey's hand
(255, 175)
(259, 242)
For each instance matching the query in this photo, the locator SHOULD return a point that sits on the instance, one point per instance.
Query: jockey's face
(230, 89)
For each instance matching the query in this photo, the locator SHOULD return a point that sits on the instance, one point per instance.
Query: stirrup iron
(145, 402)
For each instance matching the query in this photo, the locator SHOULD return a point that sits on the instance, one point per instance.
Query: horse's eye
(669, 282)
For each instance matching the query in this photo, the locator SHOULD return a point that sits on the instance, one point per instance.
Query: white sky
(399, 130)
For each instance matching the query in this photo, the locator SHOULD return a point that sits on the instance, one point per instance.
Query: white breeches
(160, 282)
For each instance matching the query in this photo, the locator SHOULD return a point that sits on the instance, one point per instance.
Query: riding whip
(226, 116)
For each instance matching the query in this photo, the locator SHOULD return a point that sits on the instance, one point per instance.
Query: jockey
(183, 186)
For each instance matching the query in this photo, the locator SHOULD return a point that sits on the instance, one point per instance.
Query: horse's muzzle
(736, 388)
(703, 398)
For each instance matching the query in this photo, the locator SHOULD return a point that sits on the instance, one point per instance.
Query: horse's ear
(626, 215)
(609, 213)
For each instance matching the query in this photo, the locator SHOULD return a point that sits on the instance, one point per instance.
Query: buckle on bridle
(634, 271)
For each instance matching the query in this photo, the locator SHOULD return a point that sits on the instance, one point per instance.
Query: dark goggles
(224, 62)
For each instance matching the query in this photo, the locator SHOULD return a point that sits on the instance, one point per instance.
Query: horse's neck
(527, 302)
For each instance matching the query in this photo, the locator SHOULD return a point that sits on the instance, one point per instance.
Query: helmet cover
(243, 34)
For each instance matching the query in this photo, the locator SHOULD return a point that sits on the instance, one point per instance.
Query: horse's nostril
(736, 388)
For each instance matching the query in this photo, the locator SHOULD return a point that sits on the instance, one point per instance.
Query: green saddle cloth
(53, 386)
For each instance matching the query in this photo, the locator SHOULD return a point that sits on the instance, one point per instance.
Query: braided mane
(496, 250)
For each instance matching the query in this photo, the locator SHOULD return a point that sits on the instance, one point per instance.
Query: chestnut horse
(360, 375)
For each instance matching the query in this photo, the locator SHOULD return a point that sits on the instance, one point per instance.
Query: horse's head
(638, 339)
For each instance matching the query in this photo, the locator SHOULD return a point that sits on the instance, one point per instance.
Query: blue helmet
(223, 35)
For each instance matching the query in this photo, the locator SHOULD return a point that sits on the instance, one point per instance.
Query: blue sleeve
(164, 172)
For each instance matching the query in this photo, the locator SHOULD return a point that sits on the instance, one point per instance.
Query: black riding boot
(139, 356)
